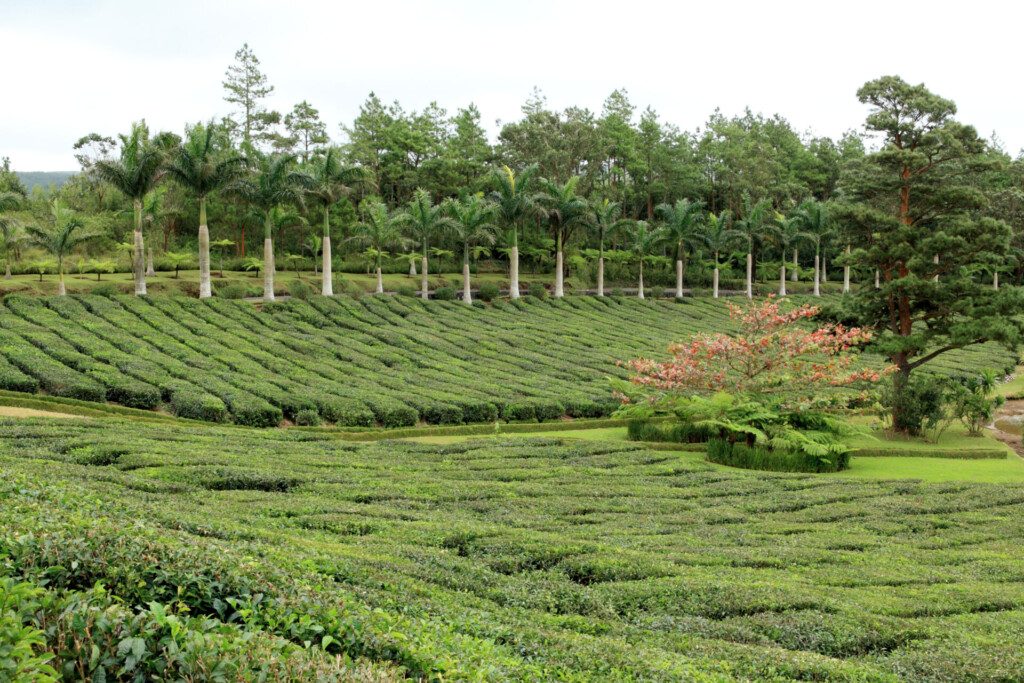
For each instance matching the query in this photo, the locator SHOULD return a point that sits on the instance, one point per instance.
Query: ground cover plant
(176, 549)
(387, 361)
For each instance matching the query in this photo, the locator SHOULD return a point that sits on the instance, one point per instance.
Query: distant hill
(44, 178)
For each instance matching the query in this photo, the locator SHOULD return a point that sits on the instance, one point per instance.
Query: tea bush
(773, 460)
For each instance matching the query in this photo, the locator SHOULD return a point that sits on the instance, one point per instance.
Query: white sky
(76, 66)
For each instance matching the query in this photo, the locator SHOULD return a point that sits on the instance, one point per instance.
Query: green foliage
(21, 645)
(300, 290)
(444, 294)
(488, 292)
(670, 432)
(725, 452)
(537, 290)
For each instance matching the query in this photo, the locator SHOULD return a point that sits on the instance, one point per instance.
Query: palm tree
(379, 231)
(683, 227)
(513, 194)
(787, 236)
(135, 174)
(719, 237)
(202, 167)
(642, 241)
(332, 181)
(425, 222)
(274, 183)
(607, 216)
(11, 235)
(813, 217)
(64, 231)
(565, 212)
(473, 226)
(751, 227)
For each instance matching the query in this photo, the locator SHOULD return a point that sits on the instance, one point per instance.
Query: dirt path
(11, 411)
(1009, 424)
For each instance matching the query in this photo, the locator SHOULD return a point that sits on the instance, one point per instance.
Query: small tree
(221, 246)
(472, 226)
(178, 259)
(64, 231)
(100, 267)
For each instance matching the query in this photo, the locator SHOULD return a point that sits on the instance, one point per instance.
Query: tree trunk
(138, 252)
(513, 272)
(559, 277)
(750, 275)
(846, 272)
(795, 275)
(268, 260)
(782, 278)
(424, 284)
(824, 269)
(600, 276)
(640, 284)
(466, 295)
(714, 279)
(327, 285)
(7, 268)
(878, 279)
(995, 280)
(61, 291)
(935, 260)
(817, 275)
(900, 380)
(150, 271)
(380, 281)
(205, 287)
(679, 278)
(412, 267)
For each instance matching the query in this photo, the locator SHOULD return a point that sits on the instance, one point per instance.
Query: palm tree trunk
(7, 268)
(878, 279)
(138, 252)
(424, 284)
(150, 271)
(412, 267)
(795, 275)
(782, 278)
(466, 295)
(513, 271)
(600, 275)
(380, 278)
(268, 260)
(640, 284)
(846, 273)
(327, 288)
(559, 276)
(824, 269)
(817, 274)
(205, 287)
(995, 280)
(714, 279)
(750, 275)
(61, 291)
(679, 278)
(935, 260)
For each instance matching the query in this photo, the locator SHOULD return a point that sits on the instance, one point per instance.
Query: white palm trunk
(513, 272)
(782, 278)
(61, 291)
(714, 279)
(679, 278)
(150, 271)
(466, 295)
(995, 280)
(559, 276)
(380, 280)
(424, 283)
(846, 272)
(878, 279)
(138, 252)
(750, 275)
(268, 269)
(7, 268)
(640, 284)
(412, 267)
(817, 275)
(205, 287)
(935, 260)
(795, 275)
(824, 269)
(327, 287)
(600, 276)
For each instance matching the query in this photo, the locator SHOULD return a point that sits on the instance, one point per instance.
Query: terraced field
(525, 559)
(388, 361)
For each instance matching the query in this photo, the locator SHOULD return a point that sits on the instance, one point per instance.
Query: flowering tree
(766, 382)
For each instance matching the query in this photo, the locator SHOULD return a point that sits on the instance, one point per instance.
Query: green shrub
(22, 657)
(920, 403)
(307, 417)
(300, 290)
(519, 411)
(196, 405)
(236, 291)
(537, 290)
(406, 290)
(226, 479)
(253, 412)
(444, 294)
(346, 412)
(488, 292)
(757, 457)
(105, 289)
(442, 414)
(670, 432)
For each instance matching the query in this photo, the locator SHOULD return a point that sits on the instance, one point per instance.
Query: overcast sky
(75, 67)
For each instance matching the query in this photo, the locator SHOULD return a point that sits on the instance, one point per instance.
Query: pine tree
(306, 132)
(246, 87)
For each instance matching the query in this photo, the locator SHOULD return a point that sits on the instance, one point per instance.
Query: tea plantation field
(387, 361)
(168, 550)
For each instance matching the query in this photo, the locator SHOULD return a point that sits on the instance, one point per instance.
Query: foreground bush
(737, 454)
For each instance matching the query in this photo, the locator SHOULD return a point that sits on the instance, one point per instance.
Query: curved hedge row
(387, 361)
